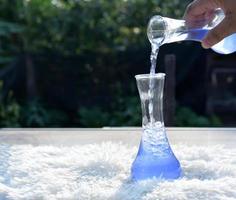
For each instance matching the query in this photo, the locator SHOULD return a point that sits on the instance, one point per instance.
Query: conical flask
(155, 157)
(162, 30)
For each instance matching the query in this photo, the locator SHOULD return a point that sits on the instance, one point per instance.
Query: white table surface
(129, 136)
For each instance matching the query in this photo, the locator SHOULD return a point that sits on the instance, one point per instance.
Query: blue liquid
(155, 160)
(192, 34)
(197, 34)
(226, 46)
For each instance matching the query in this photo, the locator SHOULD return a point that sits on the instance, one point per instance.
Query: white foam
(102, 172)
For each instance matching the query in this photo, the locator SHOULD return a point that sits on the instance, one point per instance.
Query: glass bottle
(163, 30)
(155, 157)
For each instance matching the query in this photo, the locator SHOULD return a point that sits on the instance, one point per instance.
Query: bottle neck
(163, 30)
(175, 30)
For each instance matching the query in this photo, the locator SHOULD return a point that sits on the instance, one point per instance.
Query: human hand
(202, 10)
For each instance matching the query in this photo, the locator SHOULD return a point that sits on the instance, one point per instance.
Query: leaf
(7, 28)
(6, 59)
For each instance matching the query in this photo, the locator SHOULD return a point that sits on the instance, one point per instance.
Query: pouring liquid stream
(153, 59)
(194, 34)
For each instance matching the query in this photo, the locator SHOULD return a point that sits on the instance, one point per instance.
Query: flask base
(148, 165)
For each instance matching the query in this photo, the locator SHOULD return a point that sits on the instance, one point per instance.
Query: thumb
(222, 30)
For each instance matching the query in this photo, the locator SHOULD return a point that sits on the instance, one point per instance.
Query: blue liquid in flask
(155, 158)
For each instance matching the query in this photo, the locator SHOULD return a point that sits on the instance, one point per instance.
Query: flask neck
(151, 100)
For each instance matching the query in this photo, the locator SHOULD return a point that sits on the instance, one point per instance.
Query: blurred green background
(71, 63)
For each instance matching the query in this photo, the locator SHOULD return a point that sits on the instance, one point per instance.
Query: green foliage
(108, 33)
(186, 117)
(35, 114)
(57, 118)
(127, 112)
(124, 110)
(74, 27)
(8, 28)
(9, 111)
(7, 32)
(93, 117)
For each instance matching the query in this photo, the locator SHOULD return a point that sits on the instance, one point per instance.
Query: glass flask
(163, 30)
(155, 157)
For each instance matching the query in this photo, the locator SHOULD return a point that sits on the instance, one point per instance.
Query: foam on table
(101, 171)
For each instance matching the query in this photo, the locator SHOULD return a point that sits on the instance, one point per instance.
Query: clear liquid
(175, 36)
(153, 59)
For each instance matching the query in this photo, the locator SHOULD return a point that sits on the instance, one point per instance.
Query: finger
(198, 8)
(214, 36)
(201, 20)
